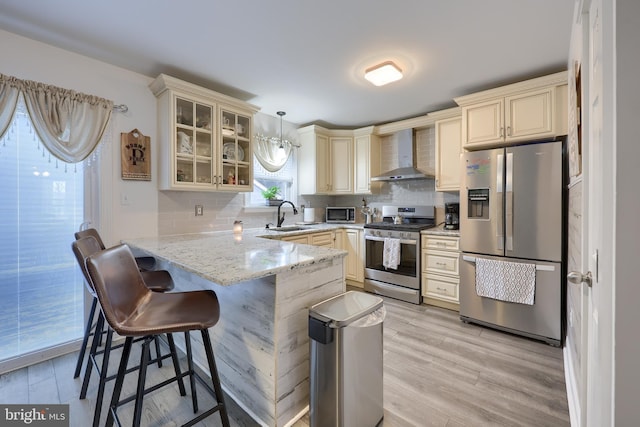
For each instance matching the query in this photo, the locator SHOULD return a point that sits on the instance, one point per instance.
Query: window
(41, 206)
(263, 179)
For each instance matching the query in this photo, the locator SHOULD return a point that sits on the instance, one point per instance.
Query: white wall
(31, 60)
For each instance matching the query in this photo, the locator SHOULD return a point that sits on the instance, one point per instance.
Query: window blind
(41, 206)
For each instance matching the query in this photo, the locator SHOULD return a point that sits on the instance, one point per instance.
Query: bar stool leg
(87, 333)
(117, 388)
(192, 379)
(94, 348)
(176, 364)
(103, 378)
(158, 355)
(215, 378)
(142, 376)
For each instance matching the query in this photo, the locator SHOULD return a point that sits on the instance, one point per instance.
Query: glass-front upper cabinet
(193, 142)
(204, 138)
(235, 162)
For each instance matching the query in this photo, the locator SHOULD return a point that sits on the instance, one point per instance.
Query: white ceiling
(308, 57)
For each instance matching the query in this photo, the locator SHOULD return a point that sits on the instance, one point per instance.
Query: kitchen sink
(291, 228)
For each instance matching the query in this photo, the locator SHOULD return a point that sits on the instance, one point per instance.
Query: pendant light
(281, 113)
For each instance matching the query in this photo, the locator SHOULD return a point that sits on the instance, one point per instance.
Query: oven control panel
(394, 234)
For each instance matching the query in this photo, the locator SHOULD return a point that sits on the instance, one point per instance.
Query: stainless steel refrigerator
(512, 204)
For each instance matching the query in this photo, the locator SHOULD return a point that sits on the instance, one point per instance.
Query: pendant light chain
(281, 113)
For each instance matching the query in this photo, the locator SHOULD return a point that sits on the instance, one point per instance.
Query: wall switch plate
(199, 210)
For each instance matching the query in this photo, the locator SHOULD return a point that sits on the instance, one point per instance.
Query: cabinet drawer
(442, 287)
(297, 239)
(440, 262)
(442, 243)
(322, 239)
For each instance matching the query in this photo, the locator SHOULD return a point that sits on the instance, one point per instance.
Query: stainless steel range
(399, 234)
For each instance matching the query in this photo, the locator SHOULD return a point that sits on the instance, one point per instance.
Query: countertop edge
(440, 231)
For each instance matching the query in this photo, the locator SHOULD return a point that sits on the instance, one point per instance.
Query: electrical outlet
(199, 210)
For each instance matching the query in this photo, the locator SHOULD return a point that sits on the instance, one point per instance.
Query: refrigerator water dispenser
(478, 203)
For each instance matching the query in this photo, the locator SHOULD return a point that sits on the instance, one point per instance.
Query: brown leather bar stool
(83, 248)
(157, 281)
(132, 310)
(145, 263)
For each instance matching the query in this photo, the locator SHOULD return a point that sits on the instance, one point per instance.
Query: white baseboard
(572, 388)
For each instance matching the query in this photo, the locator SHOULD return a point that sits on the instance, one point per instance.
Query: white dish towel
(505, 280)
(391, 253)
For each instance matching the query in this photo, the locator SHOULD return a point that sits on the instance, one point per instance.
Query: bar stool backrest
(118, 284)
(82, 249)
(90, 232)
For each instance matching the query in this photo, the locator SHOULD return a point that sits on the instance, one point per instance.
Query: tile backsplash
(220, 210)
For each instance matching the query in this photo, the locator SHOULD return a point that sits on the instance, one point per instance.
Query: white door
(598, 160)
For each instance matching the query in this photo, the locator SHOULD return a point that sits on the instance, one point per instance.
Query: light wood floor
(438, 371)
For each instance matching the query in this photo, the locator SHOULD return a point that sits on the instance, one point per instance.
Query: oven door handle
(402, 241)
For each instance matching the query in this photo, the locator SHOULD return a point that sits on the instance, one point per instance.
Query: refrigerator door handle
(498, 203)
(509, 202)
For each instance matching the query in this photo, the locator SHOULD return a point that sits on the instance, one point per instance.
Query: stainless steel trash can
(346, 361)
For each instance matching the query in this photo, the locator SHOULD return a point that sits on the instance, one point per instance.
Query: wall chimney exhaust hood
(407, 170)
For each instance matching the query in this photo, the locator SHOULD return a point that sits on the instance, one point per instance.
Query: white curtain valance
(9, 93)
(70, 124)
(271, 152)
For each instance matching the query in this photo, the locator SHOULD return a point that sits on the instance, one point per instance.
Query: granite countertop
(305, 228)
(225, 259)
(440, 231)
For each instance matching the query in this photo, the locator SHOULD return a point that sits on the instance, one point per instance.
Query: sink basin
(291, 228)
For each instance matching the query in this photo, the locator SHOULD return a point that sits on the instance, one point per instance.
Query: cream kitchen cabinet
(298, 238)
(440, 270)
(340, 165)
(235, 166)
(325, 239)
(530, 110)
(448, 149)
(337, 161)
(325, 162)
(354, 245)
(339, 239)
(313, 162)
(204, 138)
(367, 159)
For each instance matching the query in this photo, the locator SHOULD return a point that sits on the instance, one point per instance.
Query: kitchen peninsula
(265, 288)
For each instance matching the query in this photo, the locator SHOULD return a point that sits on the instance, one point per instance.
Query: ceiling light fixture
(383, 74)
(281, 113)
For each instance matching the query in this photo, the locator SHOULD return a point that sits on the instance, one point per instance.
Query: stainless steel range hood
(407, 170)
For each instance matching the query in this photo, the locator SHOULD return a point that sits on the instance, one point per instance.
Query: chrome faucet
(281, 218)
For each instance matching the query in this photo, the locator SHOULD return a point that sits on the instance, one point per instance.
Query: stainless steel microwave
(340, 214)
